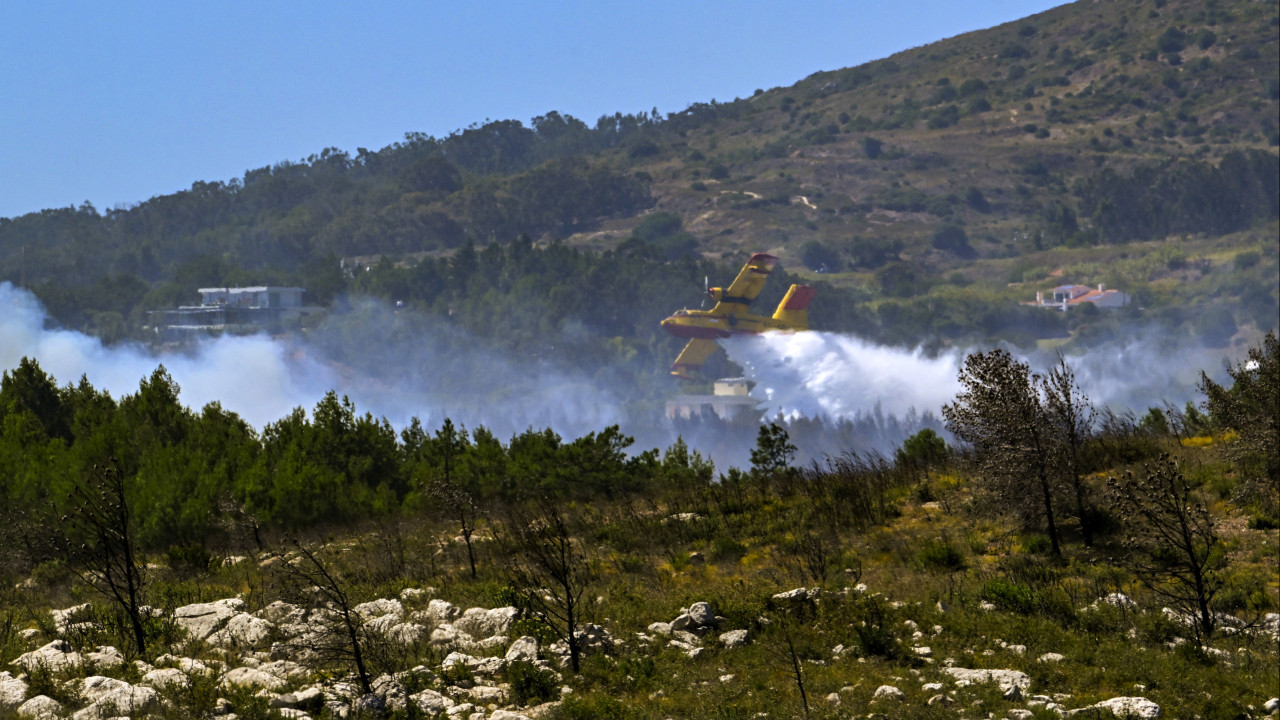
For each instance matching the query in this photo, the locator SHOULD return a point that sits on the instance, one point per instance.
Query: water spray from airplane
(835, 375)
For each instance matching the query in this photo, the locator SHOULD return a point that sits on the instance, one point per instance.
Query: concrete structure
(262, 308)
(1064, 297)
(730, 403)
(252, 297)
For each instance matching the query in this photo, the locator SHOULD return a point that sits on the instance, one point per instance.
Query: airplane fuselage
(730, 316)
(704, 325)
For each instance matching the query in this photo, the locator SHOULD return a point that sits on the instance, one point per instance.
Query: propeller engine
(714, 293)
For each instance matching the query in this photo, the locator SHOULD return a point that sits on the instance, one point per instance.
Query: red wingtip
(800, 298)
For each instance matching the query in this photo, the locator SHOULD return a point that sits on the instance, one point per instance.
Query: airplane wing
(747, 285)
(693, 355)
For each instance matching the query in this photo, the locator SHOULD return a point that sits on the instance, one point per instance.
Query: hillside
(1131, 144)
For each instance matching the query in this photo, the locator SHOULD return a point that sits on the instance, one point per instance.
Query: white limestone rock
(1004, 678)
(251, 677)
(1130, 707)
(382, 624)
(683, 621)
(483, 622)
(416, 595)
(378, 608)
(282, 613)
(476, 665)
(432, 702)
(734, 638)
(486, 694)
(660, 628)
(523, 649)
(12, 692)
(243, 632)
(109, 698)
(407, 634)
(105, 657)
(449, 636)
(1120, 600)
(201, 620)
(702, 614)
(1051, 657)
(56, 657)
(40, 707)
(62, 619)
(393, 694)
(508, 715)
(162, 678)
(797, 595)
(285, 670)
(441, 611)
(888, 692)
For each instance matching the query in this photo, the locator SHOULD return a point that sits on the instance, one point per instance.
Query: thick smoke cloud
(389, 365)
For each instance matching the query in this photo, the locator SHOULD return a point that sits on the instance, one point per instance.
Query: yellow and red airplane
(730, 316)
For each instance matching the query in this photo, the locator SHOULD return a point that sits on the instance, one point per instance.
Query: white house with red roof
(1064, 297)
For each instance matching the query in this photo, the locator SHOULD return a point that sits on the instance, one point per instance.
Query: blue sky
(116, 102)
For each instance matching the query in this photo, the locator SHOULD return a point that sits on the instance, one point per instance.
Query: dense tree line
(421, 194)
(1181, 196)
(191, 474)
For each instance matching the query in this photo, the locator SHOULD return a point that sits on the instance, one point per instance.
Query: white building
(264, 308)
(730, 403)
(1064, 297)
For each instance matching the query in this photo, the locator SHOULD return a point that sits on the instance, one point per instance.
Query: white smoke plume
(430, 373)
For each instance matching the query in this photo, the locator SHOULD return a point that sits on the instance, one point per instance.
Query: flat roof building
(263, 308)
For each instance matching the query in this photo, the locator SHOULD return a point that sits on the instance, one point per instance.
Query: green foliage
(1010, 596)
(819, 257)
(530, 684)
(953, 239)
(774, 452)
(941, 555)
(874, 632)
(1250, 409)
(189, 559)
(924, 449)
(590, 707)
(1185, 196)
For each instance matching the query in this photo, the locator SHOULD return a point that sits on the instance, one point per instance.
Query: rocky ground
(261, 662)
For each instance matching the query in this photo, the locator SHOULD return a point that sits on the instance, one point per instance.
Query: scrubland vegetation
(1129, 558)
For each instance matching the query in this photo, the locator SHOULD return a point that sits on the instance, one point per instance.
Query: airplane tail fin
(794, 308)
